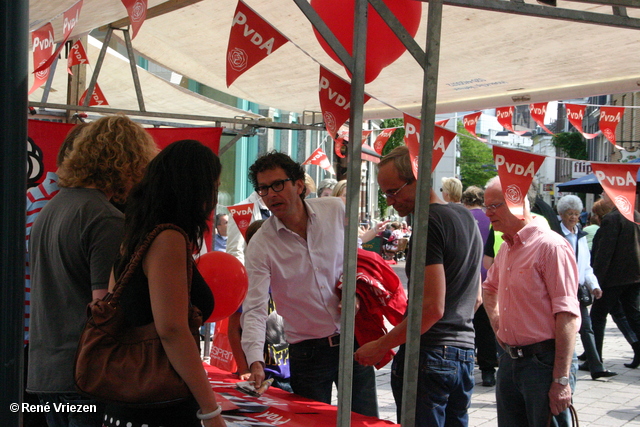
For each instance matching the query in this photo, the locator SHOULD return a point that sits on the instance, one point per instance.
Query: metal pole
(134, 69)
(98, 66)
(345, 377)
(13, 157)
(421, 221)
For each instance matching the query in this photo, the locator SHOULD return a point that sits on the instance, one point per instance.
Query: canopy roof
(487, 59)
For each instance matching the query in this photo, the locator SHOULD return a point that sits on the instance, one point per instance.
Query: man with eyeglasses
(451, 294)
(530, 297)
(298, 254)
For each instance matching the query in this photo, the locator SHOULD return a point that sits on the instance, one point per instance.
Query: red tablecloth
(276, 407)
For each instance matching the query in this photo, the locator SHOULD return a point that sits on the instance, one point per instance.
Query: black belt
(531, 349)
(330, 341)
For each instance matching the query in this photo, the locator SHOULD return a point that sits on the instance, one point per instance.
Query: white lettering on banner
(220, 354)
(471, 121)
(411, 129)
(40, 44)
(439, 145)
(256, 38)
(515, 168)
(503, 114)
(78, 56)
(609, 117)
(575, 114)
(68, 24)
(539, 111)
(340, 100)
(241, 212)
(275, 418)
(96, 98)
(616, 180)
(317, 156)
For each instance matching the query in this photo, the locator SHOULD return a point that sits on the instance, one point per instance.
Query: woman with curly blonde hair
(73, 245)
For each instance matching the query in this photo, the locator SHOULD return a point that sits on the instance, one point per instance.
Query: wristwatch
(561, 380)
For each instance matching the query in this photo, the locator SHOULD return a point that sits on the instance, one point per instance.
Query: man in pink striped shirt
(530, 297)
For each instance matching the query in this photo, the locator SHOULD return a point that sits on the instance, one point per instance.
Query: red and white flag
(250, 41)
(42, 45)
(538, 112)
(242, 215)
(442, 123)
(77, 55)
(335, 100)
(137, 11)
(575, 114)
(505, 118)
(470, 121)
(97, 98)
(619, 181)
(319, 158)
(441, 139)
(382, 138)
(516, 170)
(609, 119)
(69, 21)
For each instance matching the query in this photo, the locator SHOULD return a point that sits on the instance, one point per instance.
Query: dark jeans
(594, 359)
(71, 419)
(314, 369)
(485, 340)
(522, 391)
(629, 297)
(445, 385)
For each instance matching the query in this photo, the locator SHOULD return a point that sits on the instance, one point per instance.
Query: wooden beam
(161, 9)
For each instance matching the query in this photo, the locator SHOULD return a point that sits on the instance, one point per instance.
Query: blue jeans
(314, 370)
(522, 391)
(445, 385)
(71, 419)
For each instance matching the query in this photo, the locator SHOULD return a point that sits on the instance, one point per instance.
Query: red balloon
(228, 281)
(383, 47)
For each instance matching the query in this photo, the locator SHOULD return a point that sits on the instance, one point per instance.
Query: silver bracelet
(210, 415)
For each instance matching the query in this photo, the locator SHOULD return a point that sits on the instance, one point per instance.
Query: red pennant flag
(77, 55)
(441, 139)
(609, 119)
(335, 100)
(98, 97)
(70, 20)
(516, 170)
(242, 215)
(42, 45)
(382, 138)
(250, 41)
(470, 121)
(575, 114)
(442, 123)
(619, 182)
(365, 135)
(538, 111)
(505, 118)
(137, 11)
(319, 158)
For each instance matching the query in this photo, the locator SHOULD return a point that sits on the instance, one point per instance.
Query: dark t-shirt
(455, 242)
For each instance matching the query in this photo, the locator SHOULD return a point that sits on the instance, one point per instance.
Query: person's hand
(214, 422)
(370, 353)
(559, 397)
(357, 305)
(597, 293)
(244, 376)
(381, 225)
(257, 374)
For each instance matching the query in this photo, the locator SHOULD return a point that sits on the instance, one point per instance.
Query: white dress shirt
(302, 275)
(235, 239)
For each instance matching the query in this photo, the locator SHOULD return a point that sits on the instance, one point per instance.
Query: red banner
(441, 139)
(516, 170)
(77, 56)
(442, 123)
(505, 118)
(335, 100)
(609, 119)
(97, 98)
(538, 112)
(319, 158)
(470, 121)
(242, 215)
(250, 41)
(382, 138)
(42, 45)
(137, 11)
(69, 21)
(575, 114)
(619, 181)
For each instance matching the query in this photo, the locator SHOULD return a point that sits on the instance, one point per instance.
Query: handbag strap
(139, 254)
(574, 416)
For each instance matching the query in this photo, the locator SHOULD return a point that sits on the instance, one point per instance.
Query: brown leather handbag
(126, 365)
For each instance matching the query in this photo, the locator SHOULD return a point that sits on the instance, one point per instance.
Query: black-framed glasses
(393, 193)
(493, 207)
(276, 186)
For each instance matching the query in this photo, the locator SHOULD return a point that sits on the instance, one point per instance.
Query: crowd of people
(500, 289)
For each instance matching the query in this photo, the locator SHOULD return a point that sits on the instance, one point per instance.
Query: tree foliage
(396, 139)
(572, 143)
(476, 160)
